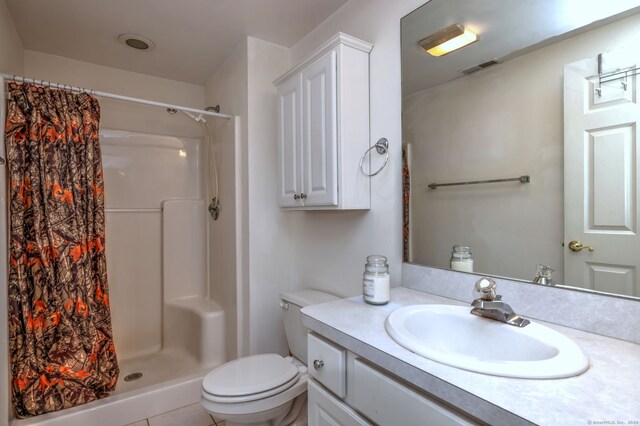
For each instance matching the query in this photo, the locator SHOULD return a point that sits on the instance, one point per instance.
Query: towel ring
(382, 147)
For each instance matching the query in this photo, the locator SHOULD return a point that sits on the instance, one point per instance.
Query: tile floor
(191, 415)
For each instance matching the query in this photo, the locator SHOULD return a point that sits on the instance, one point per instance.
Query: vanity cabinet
(370, 395)
(323, 128)
(326, 409)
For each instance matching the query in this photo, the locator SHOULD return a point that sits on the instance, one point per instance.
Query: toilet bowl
(266, 389)
(259, 389)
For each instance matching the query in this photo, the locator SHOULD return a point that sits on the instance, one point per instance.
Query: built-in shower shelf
(199, 304)
(195, 323)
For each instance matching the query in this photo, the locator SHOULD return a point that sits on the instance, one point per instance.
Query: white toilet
(266, 389)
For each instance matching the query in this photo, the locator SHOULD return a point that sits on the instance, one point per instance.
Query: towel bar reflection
(521, 179)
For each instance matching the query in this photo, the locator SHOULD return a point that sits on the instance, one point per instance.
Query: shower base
(170, 379)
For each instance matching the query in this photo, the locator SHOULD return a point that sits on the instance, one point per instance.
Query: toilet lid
(250, 375)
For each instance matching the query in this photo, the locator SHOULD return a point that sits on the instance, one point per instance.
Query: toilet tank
(296, 332)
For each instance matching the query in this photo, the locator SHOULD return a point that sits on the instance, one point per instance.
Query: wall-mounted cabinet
(323, 128)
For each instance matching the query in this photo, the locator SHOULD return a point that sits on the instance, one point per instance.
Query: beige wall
(271, 249)
(243, 86)
(501, 122)
(227, 87)
(11, 50)
(71, 71)
(117, 114)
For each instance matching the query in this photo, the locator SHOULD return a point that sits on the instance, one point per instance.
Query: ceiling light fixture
(447, 40)
(136, 42)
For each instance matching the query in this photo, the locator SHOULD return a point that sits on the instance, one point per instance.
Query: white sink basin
(452, 336)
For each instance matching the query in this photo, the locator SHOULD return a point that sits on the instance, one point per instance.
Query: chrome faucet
(490, 305)
(543, 276)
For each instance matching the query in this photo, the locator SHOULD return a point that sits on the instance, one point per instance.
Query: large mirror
(544, 101)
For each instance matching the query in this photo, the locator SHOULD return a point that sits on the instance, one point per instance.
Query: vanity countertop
(607, 393)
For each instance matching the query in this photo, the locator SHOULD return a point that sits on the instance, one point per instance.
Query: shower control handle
(318, 364)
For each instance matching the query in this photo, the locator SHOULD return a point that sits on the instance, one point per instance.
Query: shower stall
(168, 326)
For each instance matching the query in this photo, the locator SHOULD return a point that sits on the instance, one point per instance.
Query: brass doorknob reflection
(578, 246)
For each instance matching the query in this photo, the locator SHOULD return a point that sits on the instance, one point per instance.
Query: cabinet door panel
(325, 410)
(289, 142)
(320, 143)
(386, 401)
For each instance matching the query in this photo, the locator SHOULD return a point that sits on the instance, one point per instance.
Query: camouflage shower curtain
(60, 338)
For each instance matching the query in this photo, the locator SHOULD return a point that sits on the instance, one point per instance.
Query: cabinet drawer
(324, 409)
(327, 364)
(388, 402)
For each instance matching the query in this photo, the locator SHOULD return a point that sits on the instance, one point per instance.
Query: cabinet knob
(296, 197)
(318, 364)
(303, 196)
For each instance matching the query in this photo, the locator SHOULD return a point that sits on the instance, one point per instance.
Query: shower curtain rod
(16, 78)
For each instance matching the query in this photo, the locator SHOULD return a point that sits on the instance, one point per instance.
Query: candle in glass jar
(461, 259)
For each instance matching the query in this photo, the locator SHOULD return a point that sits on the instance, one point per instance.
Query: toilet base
(275, 415)
(292, 413)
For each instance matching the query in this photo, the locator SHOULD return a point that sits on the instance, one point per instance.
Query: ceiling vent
(479, 67)
(136, 42)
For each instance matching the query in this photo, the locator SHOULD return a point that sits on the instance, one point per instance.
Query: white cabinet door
(320, 134)
(389, 402)
(323, 125)
(325, 410)
(289, 140)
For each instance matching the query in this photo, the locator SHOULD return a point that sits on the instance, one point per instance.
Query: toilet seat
(250, 378)
(256, 403)
(256, 406)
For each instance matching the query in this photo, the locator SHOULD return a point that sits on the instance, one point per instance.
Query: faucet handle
(487, 288)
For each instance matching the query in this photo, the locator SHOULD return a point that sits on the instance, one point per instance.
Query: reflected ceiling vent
(479, 67)
(136, 42)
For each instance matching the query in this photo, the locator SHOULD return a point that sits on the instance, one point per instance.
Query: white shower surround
(165, 325)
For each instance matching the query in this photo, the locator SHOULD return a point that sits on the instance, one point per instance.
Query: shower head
(199, 118)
